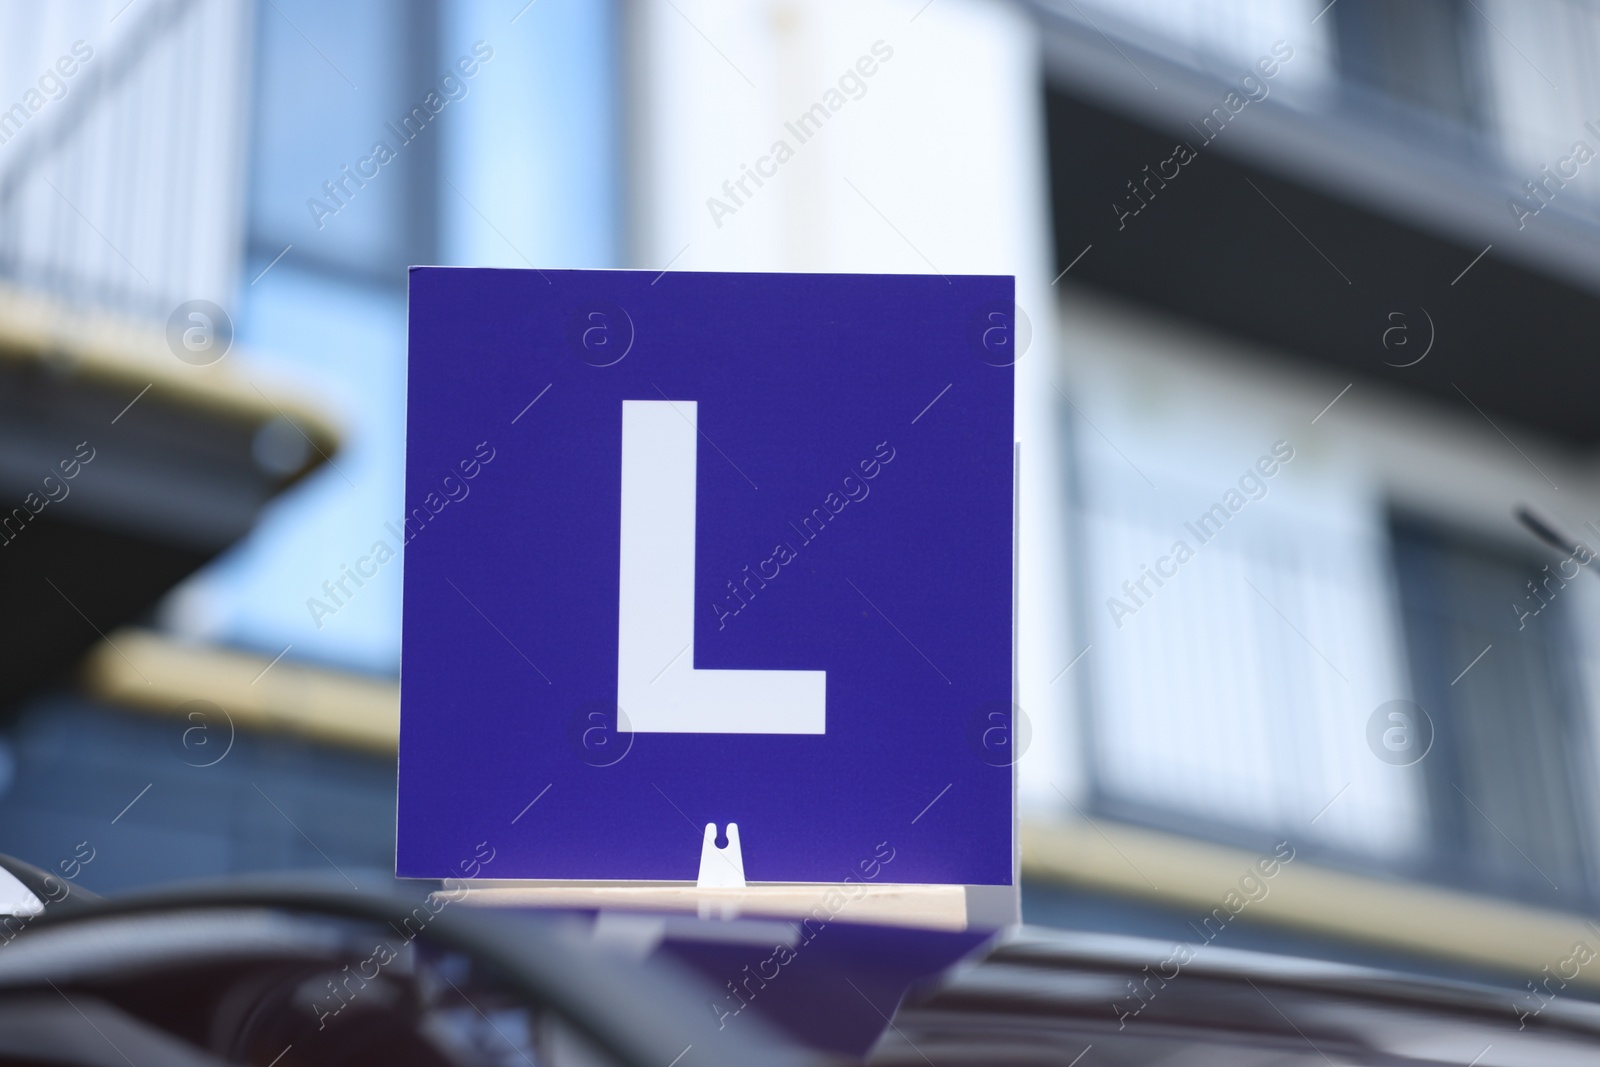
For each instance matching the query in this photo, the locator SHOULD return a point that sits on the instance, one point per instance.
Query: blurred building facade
(1325, 264)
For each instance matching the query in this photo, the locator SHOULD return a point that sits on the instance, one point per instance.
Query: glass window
(333, 82)
(1491, 633)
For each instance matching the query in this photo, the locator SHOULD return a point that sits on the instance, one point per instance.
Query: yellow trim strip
(133, 354)
(1196, 876)
(148, 671)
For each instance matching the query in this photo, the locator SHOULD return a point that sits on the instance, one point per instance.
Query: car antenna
(1545, 531)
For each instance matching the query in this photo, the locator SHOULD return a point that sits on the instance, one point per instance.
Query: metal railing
(121, 160)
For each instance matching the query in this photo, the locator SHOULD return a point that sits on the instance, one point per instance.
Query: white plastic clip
(721, 868)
